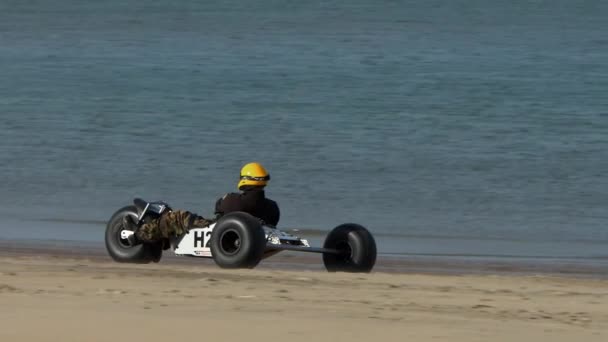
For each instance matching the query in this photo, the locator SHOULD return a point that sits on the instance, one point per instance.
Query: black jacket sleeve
(219, 209)
(227, 204)
(273, 214)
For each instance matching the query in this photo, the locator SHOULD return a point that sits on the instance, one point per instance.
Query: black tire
(120, 250)
(238, 241)
(358, 249)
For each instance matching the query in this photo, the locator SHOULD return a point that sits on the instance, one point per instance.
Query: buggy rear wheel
(238, 241)
(356, 246)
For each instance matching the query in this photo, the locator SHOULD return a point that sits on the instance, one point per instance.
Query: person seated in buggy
(251, 199)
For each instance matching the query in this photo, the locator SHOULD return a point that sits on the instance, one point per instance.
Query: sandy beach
(67, 298)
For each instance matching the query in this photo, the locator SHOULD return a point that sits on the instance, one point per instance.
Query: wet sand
(80, 297)
(313, 262)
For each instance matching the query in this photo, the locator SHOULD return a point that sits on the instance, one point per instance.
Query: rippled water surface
(446, 127)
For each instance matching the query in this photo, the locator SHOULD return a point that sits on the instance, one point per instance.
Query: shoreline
(451, 254)
(403, 264)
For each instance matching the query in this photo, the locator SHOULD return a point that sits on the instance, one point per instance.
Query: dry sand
(79, 299)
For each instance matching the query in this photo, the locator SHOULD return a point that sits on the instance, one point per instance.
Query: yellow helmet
(253, 174)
